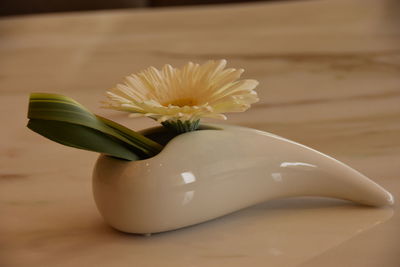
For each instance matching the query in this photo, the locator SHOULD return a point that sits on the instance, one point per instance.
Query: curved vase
(205, 174)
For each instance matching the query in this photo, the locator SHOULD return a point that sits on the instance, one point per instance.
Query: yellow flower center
(181, 102)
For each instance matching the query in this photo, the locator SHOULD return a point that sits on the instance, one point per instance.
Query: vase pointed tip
(384, 199)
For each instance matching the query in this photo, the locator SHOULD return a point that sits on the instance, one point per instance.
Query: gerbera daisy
(179, 98)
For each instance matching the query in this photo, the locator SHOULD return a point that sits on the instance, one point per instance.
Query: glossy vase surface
(205, 174)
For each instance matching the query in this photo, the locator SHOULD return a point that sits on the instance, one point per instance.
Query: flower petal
(195, 91)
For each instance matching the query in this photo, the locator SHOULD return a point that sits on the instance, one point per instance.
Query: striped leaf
(63, 120)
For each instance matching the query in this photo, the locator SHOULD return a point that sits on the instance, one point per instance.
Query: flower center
(181, 102)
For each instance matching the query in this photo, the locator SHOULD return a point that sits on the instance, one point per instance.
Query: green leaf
(133, 136)
(81, 137)
(65, 121)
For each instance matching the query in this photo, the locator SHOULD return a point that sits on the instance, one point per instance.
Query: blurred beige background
(20, 7)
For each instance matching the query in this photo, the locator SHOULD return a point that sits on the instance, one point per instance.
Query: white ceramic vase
(205, 174)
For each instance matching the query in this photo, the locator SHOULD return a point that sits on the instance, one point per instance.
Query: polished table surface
(329, 78)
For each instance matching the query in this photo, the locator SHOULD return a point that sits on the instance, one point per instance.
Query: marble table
(329, 74)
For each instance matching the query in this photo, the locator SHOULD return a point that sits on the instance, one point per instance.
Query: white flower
(186, 94)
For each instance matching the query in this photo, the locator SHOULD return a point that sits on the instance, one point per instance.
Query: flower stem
(182, 126)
